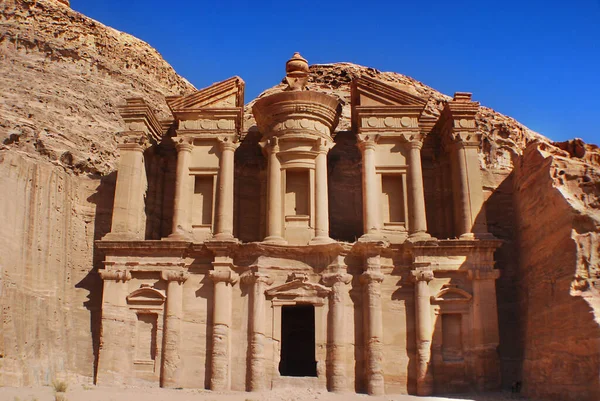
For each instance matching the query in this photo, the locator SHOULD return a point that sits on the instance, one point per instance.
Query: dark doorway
(298, 341)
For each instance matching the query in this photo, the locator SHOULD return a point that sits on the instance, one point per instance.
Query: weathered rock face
(557, 197)
(62, 76)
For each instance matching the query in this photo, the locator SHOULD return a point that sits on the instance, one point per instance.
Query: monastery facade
(223, 271)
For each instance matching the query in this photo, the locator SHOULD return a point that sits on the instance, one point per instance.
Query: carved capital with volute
(367, 141)
(174, 275)
(226, 276)
(184, 144)
(115, 275)
(422, 275)
(250, 277)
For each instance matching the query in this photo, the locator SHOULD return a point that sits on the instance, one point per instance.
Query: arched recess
(451, 338)
(147, 304)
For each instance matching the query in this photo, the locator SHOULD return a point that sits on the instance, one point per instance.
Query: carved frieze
(208, 124)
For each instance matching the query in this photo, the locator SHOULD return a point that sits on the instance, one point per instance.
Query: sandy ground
(93, 393)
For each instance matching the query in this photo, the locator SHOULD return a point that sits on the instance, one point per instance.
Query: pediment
(300, 291)
(228, 94)
(146, 296)
(369, 92)
(451, 294)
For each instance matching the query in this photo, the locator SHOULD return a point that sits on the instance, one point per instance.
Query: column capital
(174, 275)
(338, 277)
(369, 277)
(483, 274)
(415, 144)
(227, 143)
(136, 141)
(251, 277)
(226, 276)
(367, 141)
(466, 138)
(422, 275)
(184, 144)
(115, 275)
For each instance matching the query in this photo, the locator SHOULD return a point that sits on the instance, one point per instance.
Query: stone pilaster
(113, 364)
(275, 195)
(373, 327)
(461, 139)
(371, 218)
(424, 332)
(485, 328)
(182, 204)
(256, 329)
(129, 218)
(224, 220)
(416, 196)
(171, 361)
(336, 347)
(224, 278)
(321, 196)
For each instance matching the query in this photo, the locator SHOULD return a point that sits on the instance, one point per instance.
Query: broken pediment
(451, 293)
(146, 296)
(299, 291)
(226, 94)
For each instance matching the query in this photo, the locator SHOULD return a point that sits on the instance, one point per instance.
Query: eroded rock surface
(63, 75)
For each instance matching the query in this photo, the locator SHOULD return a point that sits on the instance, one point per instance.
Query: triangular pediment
(451, 294)
(299, 291)
(226, 94)
(370, 92)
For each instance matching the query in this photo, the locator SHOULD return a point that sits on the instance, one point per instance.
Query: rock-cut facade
(223, 268)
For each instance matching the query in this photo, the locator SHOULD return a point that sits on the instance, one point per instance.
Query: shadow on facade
(103, 198)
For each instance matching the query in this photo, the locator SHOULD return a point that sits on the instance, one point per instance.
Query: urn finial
(296, 70)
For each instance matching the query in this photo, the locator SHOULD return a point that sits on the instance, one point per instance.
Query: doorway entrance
(298, 341)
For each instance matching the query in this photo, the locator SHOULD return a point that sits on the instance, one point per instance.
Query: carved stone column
(336, 369)
(182, 223)
(275, 201)
(373, 328)
(113, 363)
(224, 279)
(371, 219)
(321, 196)
(461, 139)
(471, 221)
(224, 223)
(485, 328)
(128, 219)
(256, 330)
(416, 197)
(171, 365)
(424, 331)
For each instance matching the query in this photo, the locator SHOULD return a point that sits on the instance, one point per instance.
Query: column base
(371, 237)
(321, 240)
(420, 236)
(178, 237)
(224, 237)
(274, 240)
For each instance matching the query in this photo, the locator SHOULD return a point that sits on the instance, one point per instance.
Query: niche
(145, 344)
(202, 204)
(297, 202)
(452, 346)
(392, 199)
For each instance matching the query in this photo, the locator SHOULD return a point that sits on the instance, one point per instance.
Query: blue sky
(536, 61)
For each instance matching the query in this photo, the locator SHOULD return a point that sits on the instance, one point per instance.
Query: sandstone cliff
(63, 76)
